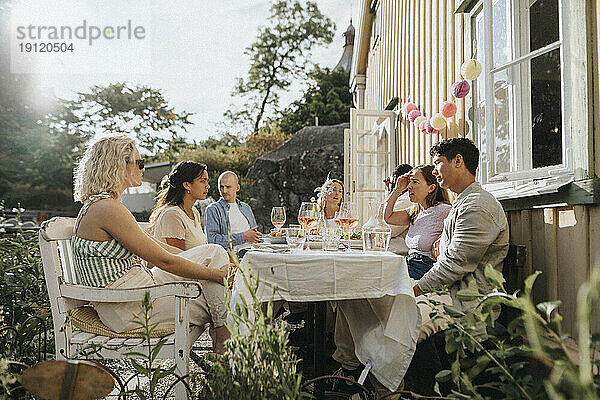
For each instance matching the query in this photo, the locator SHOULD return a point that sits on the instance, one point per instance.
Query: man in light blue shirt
(230, 216)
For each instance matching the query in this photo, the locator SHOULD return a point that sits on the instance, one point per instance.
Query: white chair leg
(182, 352)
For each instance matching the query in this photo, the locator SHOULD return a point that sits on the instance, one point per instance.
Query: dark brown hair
(171, 187)
(438, 195)
(450, 148)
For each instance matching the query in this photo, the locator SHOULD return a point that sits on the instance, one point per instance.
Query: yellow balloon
(470, 69)
(438, 121)
(418, 121)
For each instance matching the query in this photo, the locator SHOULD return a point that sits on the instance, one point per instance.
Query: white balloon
(418, 121)
(470, 69)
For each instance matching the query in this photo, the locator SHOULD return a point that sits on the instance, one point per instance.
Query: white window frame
(385, 120)
(375, 8)
(574, 82)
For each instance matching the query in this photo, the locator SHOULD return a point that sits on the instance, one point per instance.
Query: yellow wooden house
(538, 142)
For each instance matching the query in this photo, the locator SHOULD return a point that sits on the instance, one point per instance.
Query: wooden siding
(596, 80)
(563, 243)
(417, 58)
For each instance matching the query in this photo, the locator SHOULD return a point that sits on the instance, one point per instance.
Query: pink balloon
(413, 115)
(408, 107)
(423, 126)
(429, 128)
(460, 89)
(448, 109)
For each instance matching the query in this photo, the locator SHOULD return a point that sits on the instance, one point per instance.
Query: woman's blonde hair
(103, 167)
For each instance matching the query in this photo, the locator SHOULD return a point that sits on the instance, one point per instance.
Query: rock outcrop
(289, 174)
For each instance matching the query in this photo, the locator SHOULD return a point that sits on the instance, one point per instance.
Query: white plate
(274, 239)
(354, 244)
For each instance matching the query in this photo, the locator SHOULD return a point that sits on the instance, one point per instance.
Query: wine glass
(278, 217)
(295, 238)
(347, 218)
(308, 216)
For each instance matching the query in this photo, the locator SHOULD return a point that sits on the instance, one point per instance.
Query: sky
(195, 52)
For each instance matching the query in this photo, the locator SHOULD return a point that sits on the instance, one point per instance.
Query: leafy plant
(257, 364)
(531, 360)
(144, 368)
(24, 303)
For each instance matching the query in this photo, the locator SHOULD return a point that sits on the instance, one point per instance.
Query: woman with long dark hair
(175, 221)
(425, 219)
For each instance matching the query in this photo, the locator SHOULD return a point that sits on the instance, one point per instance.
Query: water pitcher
(376, 232)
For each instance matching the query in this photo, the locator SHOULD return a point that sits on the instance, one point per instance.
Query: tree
(280, 53)
(119, 108)
(328, 98)
(35, 167)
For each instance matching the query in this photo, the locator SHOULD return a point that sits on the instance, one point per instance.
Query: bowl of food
(355, 239)
(275, 236)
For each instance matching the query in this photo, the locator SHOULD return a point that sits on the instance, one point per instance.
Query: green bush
(531, 361)
(257, 365)
(23, 294)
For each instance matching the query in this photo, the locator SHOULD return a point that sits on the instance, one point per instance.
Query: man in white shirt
(230, 216)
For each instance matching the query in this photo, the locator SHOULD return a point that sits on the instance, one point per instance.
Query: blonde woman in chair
(108, 245)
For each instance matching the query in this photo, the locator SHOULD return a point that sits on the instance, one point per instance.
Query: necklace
(186, 213)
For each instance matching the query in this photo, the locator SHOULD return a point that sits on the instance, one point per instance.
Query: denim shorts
(418, 264)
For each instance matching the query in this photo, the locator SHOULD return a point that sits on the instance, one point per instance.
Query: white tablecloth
(382, 313)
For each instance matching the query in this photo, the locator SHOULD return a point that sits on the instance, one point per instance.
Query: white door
(370, 151)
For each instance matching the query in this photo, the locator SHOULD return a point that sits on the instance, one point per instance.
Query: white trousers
(209, 307)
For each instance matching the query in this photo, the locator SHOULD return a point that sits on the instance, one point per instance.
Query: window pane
(503, 120)
(546, 110)
(372, 155)
(478, 88)
(502, 32)
(543, 23)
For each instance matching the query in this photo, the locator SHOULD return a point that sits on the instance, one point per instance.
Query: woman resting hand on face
(425, 219)
(108, 245)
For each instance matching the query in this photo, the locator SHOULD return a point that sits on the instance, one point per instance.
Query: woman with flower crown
(329, 200)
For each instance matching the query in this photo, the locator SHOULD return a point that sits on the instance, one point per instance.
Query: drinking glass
(295, 238)
(347, 219)
(278, 217)
(308, 216)
(331, 239)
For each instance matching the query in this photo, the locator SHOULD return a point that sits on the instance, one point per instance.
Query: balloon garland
(469, 70)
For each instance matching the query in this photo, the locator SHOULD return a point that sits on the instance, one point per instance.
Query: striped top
(97, 263)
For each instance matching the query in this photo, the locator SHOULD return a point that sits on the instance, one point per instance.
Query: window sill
(527, 187)
(583, 192)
